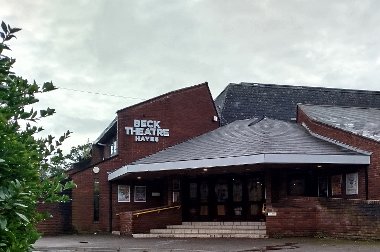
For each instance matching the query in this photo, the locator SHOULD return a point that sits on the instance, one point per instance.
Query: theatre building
(254, 163)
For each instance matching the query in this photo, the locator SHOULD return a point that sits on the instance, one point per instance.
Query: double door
(224, 198)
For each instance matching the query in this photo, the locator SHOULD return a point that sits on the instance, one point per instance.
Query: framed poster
(352, 183)
(336, 185)
(140, 194)
(123, 193)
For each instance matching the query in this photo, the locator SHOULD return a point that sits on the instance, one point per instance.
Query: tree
(27, 174)
(79, 153)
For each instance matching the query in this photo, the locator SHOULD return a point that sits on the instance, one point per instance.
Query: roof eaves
(106, 130)
(349, 147)
(333, 126)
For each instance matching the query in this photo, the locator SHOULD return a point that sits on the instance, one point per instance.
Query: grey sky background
(145, 48)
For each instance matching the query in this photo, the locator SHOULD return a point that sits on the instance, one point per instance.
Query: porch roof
(251, 141)
(364, 122)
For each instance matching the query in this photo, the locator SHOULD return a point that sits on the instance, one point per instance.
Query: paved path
(109, 243)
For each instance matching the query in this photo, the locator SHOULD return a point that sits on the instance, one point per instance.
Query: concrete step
(251, 227)
(238, 229)
(252, 236)
(224, 223)
(207, 231)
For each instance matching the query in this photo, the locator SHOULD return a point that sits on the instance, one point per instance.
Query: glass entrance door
(224, 198)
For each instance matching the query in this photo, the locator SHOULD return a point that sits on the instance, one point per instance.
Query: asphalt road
(109, 243)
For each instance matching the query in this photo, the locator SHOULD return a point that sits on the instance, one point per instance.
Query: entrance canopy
(243, 142)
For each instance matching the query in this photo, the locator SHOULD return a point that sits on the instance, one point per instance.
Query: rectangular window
(123, 193)
(140, 194)
(296, 185)
(323, 186)
(113, 148)
(96, 200)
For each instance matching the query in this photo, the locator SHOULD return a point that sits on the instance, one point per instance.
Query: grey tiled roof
(361, 121)
(248, 100)
(248, 137)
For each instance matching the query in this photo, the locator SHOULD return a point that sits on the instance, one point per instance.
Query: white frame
(123, 193)
(142, 197)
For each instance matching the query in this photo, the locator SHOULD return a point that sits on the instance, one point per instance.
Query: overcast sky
(143, 48)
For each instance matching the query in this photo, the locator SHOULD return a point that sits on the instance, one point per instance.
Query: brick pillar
(126, 223)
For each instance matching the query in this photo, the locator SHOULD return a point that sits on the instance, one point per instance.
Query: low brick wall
(60, 221)
(330, 217)
(131, 223)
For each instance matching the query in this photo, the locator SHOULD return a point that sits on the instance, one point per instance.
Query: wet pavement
(110, 243)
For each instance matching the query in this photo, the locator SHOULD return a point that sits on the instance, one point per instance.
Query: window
(96, 199)
(113, 148)
(296, 186)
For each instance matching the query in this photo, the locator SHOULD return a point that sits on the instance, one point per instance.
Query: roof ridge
(303, 86)
(166, 94)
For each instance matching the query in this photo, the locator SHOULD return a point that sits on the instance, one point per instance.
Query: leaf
(4, 27)
(14, 30)
(2, 35)
(23, 217)
(43, 113)
(20, 205)
(3, 224)
(48, 86)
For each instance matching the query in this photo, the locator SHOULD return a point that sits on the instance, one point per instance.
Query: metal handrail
(155, 210)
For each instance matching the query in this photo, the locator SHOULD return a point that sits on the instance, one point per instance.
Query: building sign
(352, 183)
(146, 131)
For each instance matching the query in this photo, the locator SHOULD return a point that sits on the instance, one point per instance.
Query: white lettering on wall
(146, 131)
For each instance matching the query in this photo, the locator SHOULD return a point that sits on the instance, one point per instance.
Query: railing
(142, 212)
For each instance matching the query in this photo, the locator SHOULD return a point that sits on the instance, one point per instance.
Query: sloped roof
(364, 122)
(248, 100)
(247, 142)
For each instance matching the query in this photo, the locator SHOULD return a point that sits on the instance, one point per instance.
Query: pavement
(112, 243)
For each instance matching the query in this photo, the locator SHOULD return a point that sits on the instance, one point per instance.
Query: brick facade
(187, 113)
(355, 141)
(340, 218)
(59, 221)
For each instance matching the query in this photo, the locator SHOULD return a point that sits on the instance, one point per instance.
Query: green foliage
(79, 153)
(28, 172)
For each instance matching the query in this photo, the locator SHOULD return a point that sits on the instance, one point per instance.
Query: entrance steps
(237, 229)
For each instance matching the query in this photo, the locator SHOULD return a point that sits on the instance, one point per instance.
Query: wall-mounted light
(96, 170)
(138, 177)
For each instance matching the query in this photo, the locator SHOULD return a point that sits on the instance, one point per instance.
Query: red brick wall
(133, 224)
(59, 221)
(352, 140)
(186, 112)
(327, 217)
